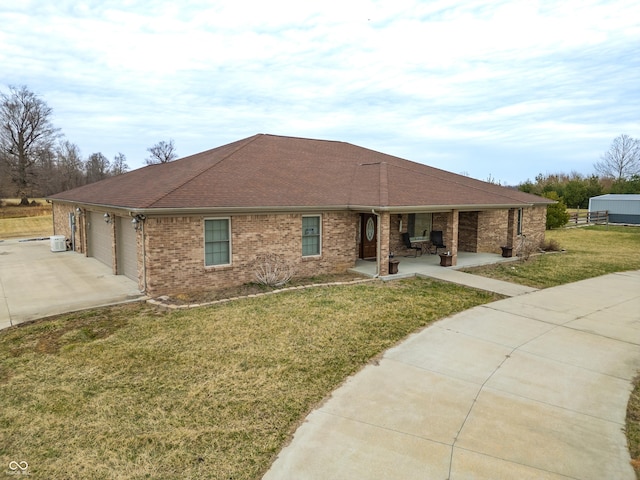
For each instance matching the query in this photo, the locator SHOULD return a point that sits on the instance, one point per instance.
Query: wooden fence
(585, 217)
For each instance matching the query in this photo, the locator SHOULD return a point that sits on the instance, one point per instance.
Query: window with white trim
(310, 235)
(217, 242)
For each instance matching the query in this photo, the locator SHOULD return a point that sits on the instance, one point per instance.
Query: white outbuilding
(622, 208)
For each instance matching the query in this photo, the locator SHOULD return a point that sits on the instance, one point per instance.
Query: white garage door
(99, 237)
(126, 248)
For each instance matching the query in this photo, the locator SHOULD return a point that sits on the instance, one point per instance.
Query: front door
(368, 235)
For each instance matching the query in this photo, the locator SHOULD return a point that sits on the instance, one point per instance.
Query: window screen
(310, 236)
(217, 244)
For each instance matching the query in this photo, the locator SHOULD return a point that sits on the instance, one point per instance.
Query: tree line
(35, 158)
(618, 172)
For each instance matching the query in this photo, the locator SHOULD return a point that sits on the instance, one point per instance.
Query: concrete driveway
(35, 282)
(531, 387)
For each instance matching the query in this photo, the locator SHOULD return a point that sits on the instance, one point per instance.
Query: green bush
(557, 215)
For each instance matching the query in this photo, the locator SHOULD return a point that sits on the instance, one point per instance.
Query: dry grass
(25, 222)
(135, 392)
(26, 227)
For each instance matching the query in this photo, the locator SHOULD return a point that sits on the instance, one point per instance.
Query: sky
(496, 90)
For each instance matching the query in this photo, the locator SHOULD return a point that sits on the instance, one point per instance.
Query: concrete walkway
(531, 387)
(507, 289)
(429, 266)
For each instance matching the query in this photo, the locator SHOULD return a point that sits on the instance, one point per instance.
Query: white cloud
(463, 82)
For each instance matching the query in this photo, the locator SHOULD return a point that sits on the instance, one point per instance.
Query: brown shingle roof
(275, 171)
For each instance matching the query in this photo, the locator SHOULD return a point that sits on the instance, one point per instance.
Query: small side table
(446, 260)
(393, 266)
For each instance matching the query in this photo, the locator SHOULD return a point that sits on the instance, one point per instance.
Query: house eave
(438, 208)
(169, 211)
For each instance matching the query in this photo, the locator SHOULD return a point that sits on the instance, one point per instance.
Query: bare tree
(119, 165)
(25, 132)
(96, 167)
(45, 173)
(622, 160)
(70, 166)
(162, 152)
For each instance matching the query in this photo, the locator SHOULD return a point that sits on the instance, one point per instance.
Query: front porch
(423, 265)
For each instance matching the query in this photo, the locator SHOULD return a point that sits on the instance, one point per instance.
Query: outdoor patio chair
(410, 246)
(436, 240)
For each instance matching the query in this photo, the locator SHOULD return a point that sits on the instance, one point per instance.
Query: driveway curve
(531, 387)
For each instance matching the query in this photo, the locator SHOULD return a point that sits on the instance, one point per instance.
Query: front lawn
(136, 392)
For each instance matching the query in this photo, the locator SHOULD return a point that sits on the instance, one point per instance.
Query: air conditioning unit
(58, 243)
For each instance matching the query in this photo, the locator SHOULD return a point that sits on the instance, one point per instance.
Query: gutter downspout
(144, 261)
(377, 243)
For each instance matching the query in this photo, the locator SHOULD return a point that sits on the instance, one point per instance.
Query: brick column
(383, 240)
(81, 225)
(451, 235)
(114, 253)
(511, 228)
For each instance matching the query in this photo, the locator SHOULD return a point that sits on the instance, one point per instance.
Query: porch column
(383, 242)
(511, 228)
(451, 238)
(81, 226)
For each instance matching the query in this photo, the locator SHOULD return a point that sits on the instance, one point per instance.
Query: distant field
(25, 222)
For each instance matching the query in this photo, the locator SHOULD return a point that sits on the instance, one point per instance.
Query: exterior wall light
(137, 221)
(107, 218)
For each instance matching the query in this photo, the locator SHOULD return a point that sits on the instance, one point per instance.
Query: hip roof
(270, 171)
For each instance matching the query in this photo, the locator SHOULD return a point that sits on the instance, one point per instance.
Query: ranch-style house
(201, 221)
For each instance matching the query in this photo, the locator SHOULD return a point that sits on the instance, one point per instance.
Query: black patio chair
(436, 240)
(410, 246)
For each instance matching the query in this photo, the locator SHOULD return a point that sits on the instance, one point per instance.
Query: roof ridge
(304, 138)
(207, 167)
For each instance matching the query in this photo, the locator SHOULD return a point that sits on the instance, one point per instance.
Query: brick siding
(171, 260)
(492, 230)
(61, 225)
(174, 249)
(468, 231)
(534, 224)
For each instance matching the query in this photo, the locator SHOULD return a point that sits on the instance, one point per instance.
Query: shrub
(524, 247)
(557, 215)
(272, 270)
(551, 245)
